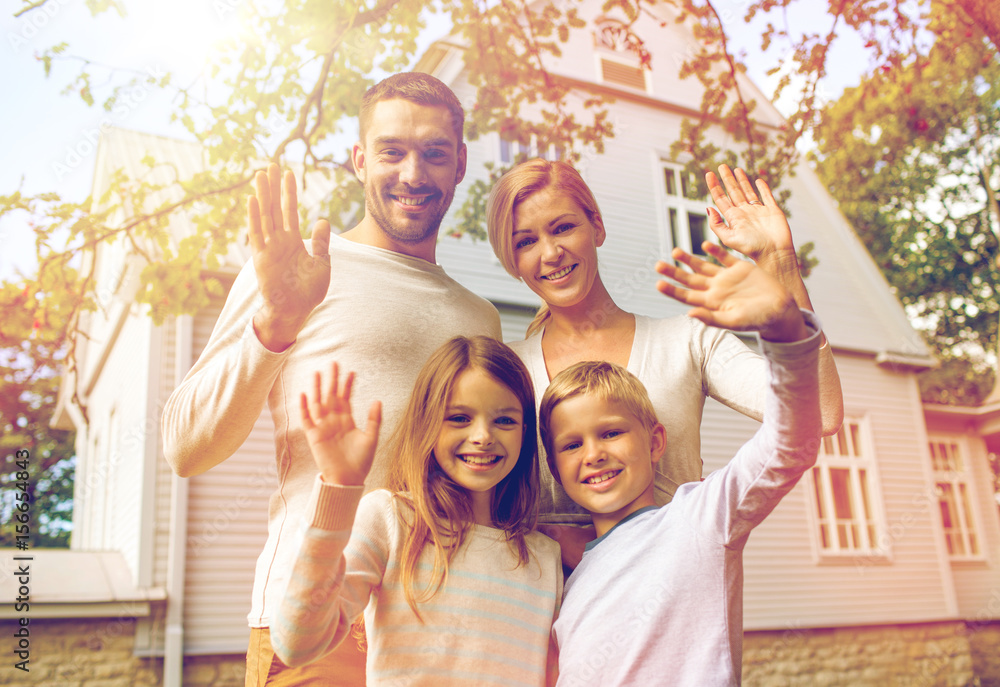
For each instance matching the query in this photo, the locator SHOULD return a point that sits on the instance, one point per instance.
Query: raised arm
(211, 413)
(741, 296)
(326, 591)
(757, 227)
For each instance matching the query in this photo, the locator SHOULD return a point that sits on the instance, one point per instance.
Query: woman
(545, 228)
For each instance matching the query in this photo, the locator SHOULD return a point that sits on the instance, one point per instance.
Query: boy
(658, 596)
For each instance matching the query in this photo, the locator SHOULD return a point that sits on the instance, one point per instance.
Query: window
(953, 491)
(512, 151)
(845, 494)
(622, 73)
(684, 198)
(622, 59)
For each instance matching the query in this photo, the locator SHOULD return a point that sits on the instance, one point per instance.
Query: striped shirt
(488, 625)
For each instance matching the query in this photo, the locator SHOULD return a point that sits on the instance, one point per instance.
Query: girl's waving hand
(343, 452)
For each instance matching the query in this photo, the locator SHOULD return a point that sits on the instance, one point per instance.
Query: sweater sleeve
(330, 585)
(210, 414)
(736, 498)
(733, 374)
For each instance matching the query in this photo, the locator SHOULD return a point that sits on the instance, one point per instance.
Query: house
(881, 567)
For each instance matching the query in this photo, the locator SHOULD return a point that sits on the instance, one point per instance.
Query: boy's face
(604, 455)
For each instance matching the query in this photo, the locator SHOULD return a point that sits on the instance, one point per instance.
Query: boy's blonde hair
(607, 381)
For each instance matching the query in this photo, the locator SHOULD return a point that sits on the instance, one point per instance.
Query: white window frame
(848, 454)
(950, 467)
(551, 153)
(676, 210)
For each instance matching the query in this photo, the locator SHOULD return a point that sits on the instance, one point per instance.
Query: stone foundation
(946, 654)
(98, 653)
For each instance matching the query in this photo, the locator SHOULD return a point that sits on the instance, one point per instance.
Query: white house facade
(881, 567)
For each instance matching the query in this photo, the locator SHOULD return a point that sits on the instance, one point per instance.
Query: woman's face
(555, 247)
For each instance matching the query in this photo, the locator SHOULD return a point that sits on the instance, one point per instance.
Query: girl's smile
(480, 438)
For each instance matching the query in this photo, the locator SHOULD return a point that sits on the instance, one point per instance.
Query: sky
(49, 137)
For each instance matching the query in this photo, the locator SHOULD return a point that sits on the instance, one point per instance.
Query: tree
(36, 463)
(913, 156)
(281, 99)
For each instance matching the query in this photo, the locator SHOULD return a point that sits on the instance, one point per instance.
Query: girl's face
(555, 247)
(480, 437)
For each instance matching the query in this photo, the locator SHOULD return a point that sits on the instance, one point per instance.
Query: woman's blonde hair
(441, 510)
(515, 187)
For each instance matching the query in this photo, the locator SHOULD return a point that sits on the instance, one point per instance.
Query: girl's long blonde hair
(441, 510)
(512, 189)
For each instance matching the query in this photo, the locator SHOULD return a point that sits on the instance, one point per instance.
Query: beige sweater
(383, 316)
(488, 625)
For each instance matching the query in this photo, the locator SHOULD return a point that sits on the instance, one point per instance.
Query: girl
(461, 587)
(545, 228)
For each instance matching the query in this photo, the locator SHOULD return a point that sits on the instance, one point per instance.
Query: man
(371, 298)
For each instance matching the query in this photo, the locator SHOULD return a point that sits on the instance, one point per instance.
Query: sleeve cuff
(812, 342)
(332, 506)
(259, 350)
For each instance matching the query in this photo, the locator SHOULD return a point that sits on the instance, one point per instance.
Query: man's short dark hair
(416, 87)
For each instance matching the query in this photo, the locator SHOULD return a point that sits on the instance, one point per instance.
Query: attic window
(622, 59)
(622, 74)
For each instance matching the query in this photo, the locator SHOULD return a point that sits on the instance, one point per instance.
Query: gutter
(173, 652)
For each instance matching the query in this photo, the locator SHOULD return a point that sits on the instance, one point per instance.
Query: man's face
(409, 163)
(604, 456)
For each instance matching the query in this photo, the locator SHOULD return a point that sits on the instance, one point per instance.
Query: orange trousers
(343, 667)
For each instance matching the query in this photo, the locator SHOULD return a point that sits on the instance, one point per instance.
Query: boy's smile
(605, 456)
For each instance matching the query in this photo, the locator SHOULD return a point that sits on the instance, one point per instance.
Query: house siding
(787, 585)
(227, 528)
(108, 490)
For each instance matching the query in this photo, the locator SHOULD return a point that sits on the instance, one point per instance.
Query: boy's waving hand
(738, 295)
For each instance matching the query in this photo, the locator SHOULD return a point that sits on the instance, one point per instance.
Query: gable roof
(853, 298)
